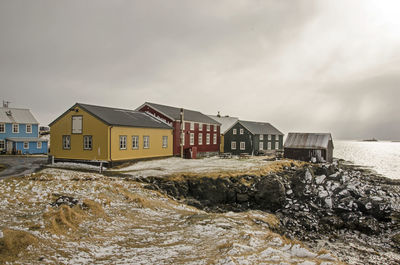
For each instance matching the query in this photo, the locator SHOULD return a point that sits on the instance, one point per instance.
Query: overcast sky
(312, 66)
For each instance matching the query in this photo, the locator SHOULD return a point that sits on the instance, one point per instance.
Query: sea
(381, 156)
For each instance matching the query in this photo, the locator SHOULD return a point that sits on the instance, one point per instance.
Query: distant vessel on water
(370, 140)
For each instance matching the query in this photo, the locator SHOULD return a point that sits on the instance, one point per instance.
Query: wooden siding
(91, 126)
(246, 137)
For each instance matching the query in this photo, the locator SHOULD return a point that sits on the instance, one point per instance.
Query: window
(122, 142)
(165, 141)
(200, 127)
(28, 128)
(241, 131)
(191, 138)
(192, 126)
(135, 142)
(234, 131)
(2, 144)
(87, 142)
(146, 141)
(39, 145)
(215, 139)
(277, 145)
(215, 128)
(233, 145)
(208, 138)
(242, 145)
(277, 137)
(15, 128)
(2, 128)
(200, 138)
(261, 137)
(26, 145)
(66, 141)
(208, 127)
(76, 124)
(261, 146)
(269, 146)
(269, 137)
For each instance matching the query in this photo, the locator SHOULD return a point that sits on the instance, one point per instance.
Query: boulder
(270, 193)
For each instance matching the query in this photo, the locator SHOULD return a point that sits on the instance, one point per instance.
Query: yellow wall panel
(90, 126)
(155, 149)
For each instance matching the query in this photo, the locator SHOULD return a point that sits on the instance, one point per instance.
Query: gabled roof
(225, 121)
(175, 113)
(308, 140)
(14, 115)
(120, 117)
(260, 127)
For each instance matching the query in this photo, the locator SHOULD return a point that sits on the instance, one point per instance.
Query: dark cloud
(278, 61)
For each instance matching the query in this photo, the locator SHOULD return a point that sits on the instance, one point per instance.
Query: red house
(201, 133)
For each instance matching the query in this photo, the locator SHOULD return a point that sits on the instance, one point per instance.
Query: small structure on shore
(316, 147)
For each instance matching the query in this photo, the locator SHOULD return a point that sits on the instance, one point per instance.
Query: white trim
(241, 131)
(123, 143)
(200, 139)
(146, 144)
(191, 139)
(136, 141)
(242, 145)
(12, 129)
(4, 144)
(164, 141)
(37, 145)
(215, 138)
(260, 145)
(234, 131)
(207, 139)
(26, 128)
(261, 137)
(4, 126)
(233, 145)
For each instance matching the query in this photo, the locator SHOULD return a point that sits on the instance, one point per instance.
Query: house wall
(155, 148)
(303, 154)
(90, 126)
(246, 137)
(203, 148)
(32, 148)
(22, 131)
(275, 139)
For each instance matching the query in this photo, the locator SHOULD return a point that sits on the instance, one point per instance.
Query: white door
(9, 146)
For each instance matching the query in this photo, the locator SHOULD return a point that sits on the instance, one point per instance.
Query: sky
(303, 66)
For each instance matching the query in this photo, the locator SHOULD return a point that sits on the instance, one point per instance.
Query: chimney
(218, 115)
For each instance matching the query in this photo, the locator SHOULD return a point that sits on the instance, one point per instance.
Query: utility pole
(182, 132)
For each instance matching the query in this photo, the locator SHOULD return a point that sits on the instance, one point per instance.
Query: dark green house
(252, 138)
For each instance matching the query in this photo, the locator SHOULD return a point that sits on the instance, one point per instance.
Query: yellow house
(95, 133)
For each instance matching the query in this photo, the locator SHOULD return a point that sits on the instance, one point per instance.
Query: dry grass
(64, 219)
(14, 242)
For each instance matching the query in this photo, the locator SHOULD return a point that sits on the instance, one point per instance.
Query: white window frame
(241, 131)
(215, 138)
(2, 128)
(2, 143)
(234, 131)
(242, 145)
(164, 141)
(269, 137)
(261, 137)
(26, 147)
(261, 146)
(233, 145)
(28, 126)
(39, 145)
(146, 141)
(208, 139)
(200, 138)
(135, 142)
(208, 127)
(192, 126)
(77, 124)
(122, 142)
(200, 127)
(87, 142)
(276, 137)
(277, 145)
(66, 144)
(215, 128)
(15, 125)
(269, 147)
(191, 139)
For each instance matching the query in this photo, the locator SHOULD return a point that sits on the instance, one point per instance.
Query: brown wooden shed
(305, 146)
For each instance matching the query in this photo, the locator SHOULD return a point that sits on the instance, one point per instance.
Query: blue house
(19, 132)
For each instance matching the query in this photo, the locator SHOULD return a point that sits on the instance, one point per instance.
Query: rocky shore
(348, 210)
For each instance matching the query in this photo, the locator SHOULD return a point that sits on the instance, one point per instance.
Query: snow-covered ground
(120, 222)
(176, 165)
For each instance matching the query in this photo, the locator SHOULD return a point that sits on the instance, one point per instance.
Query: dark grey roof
(308, 140)
(121, 117)
(26, 139)
(260, 127)
(175, 113)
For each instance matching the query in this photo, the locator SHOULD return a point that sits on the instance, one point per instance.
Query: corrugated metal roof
(308, 140)
(260, 127)
(189, 115)
(17, 116)
(226, 122)
(124, 117)
(26, 139)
